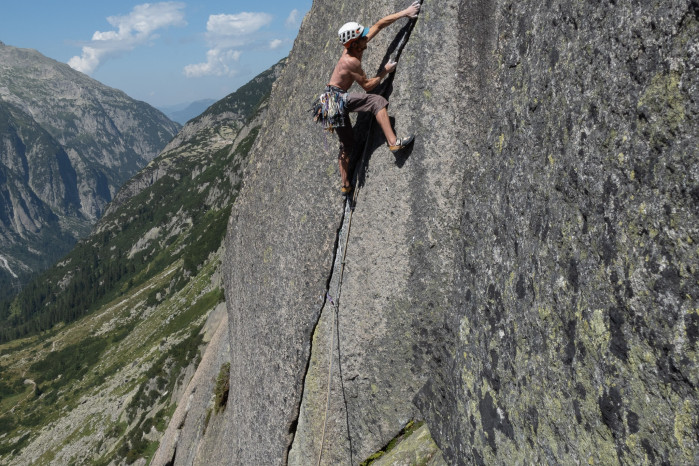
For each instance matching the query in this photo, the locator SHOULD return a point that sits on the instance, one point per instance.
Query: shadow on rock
(368, 136)
(403, 155)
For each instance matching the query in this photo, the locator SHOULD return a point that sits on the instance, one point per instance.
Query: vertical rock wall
(577, 297)
(400, 266)
(400, 260)
(523, 278)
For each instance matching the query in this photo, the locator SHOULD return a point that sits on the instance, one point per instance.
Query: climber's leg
(385, 124)
(346, 136)
(377, 105)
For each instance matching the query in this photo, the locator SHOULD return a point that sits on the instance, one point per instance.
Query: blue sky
(164, 53)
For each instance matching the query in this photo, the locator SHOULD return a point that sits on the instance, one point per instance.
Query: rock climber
(333, 106)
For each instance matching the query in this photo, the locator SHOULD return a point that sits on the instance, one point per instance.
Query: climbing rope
(352, 202)
(336, 310)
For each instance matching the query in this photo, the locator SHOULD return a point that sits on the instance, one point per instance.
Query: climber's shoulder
(350, 62)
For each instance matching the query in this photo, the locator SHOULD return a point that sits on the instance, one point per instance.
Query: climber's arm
(367, 84)
(410, 12)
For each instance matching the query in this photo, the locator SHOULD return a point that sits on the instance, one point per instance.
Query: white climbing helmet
(350, 31)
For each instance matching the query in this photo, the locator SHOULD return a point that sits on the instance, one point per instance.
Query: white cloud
(275, 44)
(292, 22)
(236, 25)
(218, 63)
(225, 34)
(136, 28)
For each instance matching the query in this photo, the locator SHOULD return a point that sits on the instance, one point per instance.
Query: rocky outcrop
(196, 429)
(67, 143)
(418, 448)
(522, 278)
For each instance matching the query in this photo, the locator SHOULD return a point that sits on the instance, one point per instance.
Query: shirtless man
(349, 70)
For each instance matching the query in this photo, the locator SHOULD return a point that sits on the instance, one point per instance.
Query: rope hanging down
(395, 56)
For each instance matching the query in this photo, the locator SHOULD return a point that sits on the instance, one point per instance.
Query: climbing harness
(352, 202)
(329, 108)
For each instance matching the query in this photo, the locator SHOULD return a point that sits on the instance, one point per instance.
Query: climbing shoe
(346, 190)
(401, 143)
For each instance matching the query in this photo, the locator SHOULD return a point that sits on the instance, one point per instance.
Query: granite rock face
(576, 318)
(419, 448)
(523, 278)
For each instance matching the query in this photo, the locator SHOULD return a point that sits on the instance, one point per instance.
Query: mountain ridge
(182, 113)
(69, 144)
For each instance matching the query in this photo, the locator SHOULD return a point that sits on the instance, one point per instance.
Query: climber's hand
(391, 66)
(413, 10)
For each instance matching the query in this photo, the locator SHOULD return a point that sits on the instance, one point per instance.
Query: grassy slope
(103, 381)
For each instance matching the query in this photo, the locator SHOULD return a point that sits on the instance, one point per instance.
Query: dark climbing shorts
(357, 103)
(365, 103)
